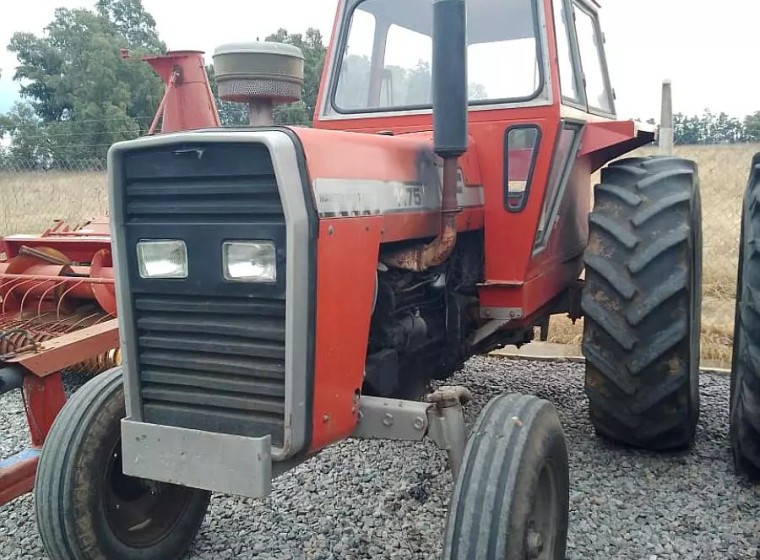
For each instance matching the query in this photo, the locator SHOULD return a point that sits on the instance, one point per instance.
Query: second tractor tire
(744, 417)
(642, 303)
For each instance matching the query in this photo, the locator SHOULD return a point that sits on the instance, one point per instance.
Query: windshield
(387, 54)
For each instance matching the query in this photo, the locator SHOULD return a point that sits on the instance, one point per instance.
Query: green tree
(477, 92)
(419, 83)
(709, 128)
(752, 127)
(690, 129)
(354, 82)
(30, 146)
(300, 113)
(130, 20)
(231, 114)
(727, 130)
(78, 85)
(314, 50)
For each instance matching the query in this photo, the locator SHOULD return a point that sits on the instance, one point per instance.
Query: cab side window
(580, 51)
(591, 51)
(570, 85)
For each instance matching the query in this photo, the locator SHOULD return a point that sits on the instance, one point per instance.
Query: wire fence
(32, 199)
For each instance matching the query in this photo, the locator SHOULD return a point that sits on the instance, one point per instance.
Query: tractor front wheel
(511, 495)
(87, 508)
(642, 303)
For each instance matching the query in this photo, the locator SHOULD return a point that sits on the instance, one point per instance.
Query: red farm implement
(57, 310)
(57, 301)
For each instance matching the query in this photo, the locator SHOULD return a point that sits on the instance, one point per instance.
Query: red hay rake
(57, 297)
(57, 315)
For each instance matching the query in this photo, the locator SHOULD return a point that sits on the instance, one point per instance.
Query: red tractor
(280, 289)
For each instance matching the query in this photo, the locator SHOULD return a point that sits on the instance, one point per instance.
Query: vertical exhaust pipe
(450, 78)
(450, 100)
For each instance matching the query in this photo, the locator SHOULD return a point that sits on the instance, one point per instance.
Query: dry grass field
(723, 172)
(29, 202)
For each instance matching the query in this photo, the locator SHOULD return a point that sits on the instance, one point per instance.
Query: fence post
(666, 120)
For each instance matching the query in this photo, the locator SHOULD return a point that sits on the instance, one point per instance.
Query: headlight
(250, 261)
(162, 259)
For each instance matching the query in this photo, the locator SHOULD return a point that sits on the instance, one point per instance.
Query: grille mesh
(213, 364)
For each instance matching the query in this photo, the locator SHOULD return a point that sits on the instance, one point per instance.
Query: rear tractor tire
(744, 419)
(87, 508)
(642, 303)
(511, 496)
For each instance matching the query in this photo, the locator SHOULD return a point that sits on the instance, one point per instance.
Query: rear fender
(605, 141)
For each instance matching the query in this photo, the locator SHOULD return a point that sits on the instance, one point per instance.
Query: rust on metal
(43, 255)
(421, 258)
(449, 395)
(94, 348)
(14, 339)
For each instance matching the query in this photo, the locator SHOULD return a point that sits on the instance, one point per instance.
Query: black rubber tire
(502, 477)
(72, 483)
(642, 303)
(744, 419)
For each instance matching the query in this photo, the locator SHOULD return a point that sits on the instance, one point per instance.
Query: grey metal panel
(297, 295)
(210, 461)
(392, 419)
(440, 419)
(345, 198)
(286, 167)
(127, 331)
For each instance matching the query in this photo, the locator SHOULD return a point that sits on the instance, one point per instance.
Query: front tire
(642, 303)
(744, 420)
(511, 496)
(87, 508)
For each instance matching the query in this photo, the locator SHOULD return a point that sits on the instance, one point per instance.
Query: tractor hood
(361, 174)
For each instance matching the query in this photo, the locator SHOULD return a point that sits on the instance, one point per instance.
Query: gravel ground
(361, 500)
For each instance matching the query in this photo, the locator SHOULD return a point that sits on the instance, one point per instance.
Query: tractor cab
(378, 72)
(540, 120)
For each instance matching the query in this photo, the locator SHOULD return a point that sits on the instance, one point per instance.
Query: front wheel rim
(541, 529)
(140, 513)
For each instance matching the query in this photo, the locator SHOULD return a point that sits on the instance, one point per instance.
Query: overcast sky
(707, 49)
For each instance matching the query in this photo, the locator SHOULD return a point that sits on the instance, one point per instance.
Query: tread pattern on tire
(641, 353)
(55, 496)
(745, 370)
(53, 478)
(476, 524)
